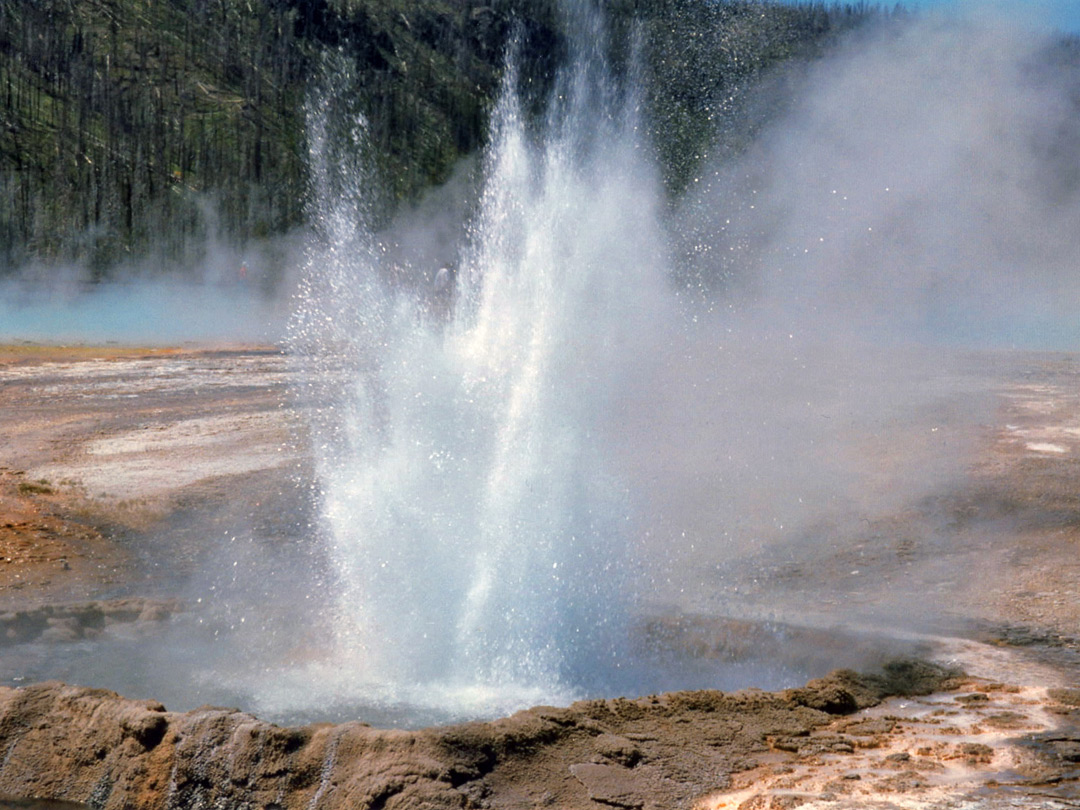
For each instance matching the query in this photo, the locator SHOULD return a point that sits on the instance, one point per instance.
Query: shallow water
(184, 664)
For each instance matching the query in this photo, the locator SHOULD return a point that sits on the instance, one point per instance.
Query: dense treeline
(147, 128)
(130, 124)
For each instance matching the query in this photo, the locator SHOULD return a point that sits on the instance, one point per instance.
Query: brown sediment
(45, 556)
(29, 353)
(914, 736)
(35, 353)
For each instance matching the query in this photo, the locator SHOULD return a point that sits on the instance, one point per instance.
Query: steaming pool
(247, 615)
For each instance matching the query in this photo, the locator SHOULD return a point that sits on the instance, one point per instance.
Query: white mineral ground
(102, 444)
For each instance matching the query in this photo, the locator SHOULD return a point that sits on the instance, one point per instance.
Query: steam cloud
(924, 185)
(234, 295)
(919, 199)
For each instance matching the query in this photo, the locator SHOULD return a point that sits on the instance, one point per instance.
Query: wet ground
(105, 455)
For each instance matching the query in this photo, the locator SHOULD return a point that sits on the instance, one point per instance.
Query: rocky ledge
(97, 748)
(916, 734)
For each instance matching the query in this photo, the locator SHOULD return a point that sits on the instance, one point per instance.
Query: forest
(132, 132)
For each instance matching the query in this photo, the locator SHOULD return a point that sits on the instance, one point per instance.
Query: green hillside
(141, 129)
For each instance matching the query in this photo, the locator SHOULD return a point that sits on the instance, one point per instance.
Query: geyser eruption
(589, 403)
(559, 417)
(480, 538)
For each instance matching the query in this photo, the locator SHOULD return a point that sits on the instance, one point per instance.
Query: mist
(235, 295)
(856, 283)
(924, 185)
